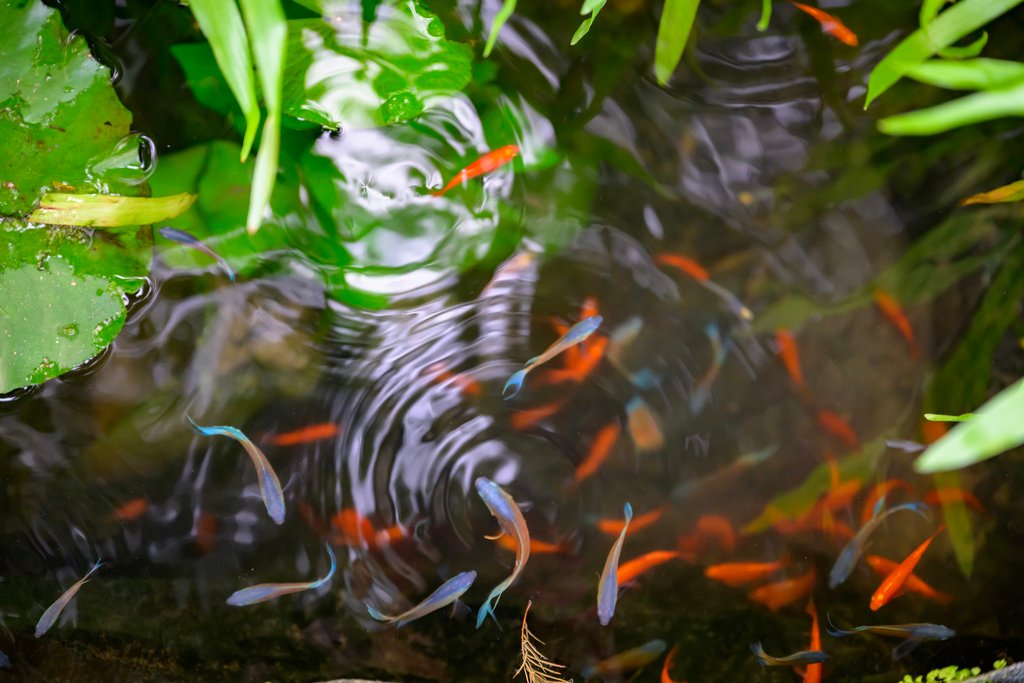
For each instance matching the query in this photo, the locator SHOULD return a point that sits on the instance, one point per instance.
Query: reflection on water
(378, 422)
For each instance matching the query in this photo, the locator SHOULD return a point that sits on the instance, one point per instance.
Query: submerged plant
(536, 667)
(950, 674)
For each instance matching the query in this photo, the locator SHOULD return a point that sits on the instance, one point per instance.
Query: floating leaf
(673, 33)
(935, 417)
(981, 106)
(503, 15)
(106, 210)
(1014, 192)
(969, 74)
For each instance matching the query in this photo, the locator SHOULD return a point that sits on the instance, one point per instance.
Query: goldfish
(608, 584)
(464, 382)
(894, 583)
(913, 584)
(205, 532)
(614, 527)
(803, 657)
(933, 431)
(489, 162)
(450, 591)
(578, 333)
(599, 451)
(510, 518)
(637, 566)
(524, 419)
(740, 573)
(829, 24)
(892, 311)
(702, 388)
(709, 528)
(790, 355)
(53, 611)
(182, 237)
(666, 668)
(353, 529)
(702, 277)
(621, 339)
(643, 427)
(271, 591)
(629, 660)
(849, 555)
(270, 486)
(130, 510)
(912, 631)
(951, 494)
(537, 547)
(879, 491)
(813, 672)
(839, 428)
(777, 595)
(315, 432)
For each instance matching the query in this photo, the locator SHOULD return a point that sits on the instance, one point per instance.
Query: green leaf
(982, 106)
(997, 428)
(935, 417)
(956, 22)
(507, 8)
(673, 32)
(958, 523)
(109, 210)
(965, 51)
(766, 15)
(1014, 192)
(968, 74)
(222, 25)
(591, 7)
(930, 10)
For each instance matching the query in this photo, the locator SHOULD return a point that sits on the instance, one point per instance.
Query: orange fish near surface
(537, 547)
(829, 24)
(354, 529)
(894, 583)
(465, 383)
(635, 567)
(666, 668)
(790, 356)
(687, 265)
(599, 451)
(951, 494)
(839, 428)
(813, 672)
(892, 311)
(317, 432)
(613, 527)
(130, 510)
(914, 584)
(485, 164)
(741, 573)
(524, 419)
(777, 595)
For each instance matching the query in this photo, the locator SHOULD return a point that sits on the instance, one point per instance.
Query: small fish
(621, 340)
(450, 591)
(182, 237)
(666, 668)
(702, 388)
(789, 353)
(813, 672)
(839, 428)
(913, 584)
(626, 661)
(599, 451)
(892, 311)
(510, 518)
(489, 162)
(463, 381)
(643, 427)
(932, 431)
(5, 661)
(905, 445)
(804, 657)
(911, 631)
(205, 532)
(608, 584)
(578, 333)
(849, 555)
(614, 527)
(537, 547)
(579, 367)
(355, 530)
(524, 419)
(830, 24)
(701, 275)
(271, 591)
(130, 510)
(741, 573)
(879, 491)
(710, 529)
(270, 486)
(53, 611)
(315, 432)
(637, 566)
(951, 494)
(777, 595)
(894, 583)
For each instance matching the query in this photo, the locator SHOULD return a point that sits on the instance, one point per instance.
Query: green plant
(673, 33)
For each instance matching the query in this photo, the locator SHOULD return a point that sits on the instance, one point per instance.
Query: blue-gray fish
(911, 631)
(608, 584)
(848, 557)
(797, 658)
(53, 611)
(270, 486)
(511, 520)
(182, 237)
(270, 591)
(450, 591)
(578, 333)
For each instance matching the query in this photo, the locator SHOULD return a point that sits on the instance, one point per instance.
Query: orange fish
(524, 419)
(790, 356)
(599, 451)
(813, 671)
(317, 432)
(642, 425)
(952, 494)
(537, 547)
(464, 382)
(718, 528)
(130, 510)
(839, 428)
(635, 567)
(933, 431)
(880, 489)
(354, 529)
(485, 164)
(891, 309)
(666, 668)
(740, 573)
(885, 566)
(687, 265)
(205, 533)
(777, 595)
(830, 24)
(613, 527)
(893, 584)
(311, 519)
(578, 364)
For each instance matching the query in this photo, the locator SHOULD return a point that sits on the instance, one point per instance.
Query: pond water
(366, 355)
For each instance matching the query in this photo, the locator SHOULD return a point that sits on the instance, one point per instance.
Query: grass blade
(507, 8)
(591, 7)
(222, 25)
(1014, 192)
(109, 211)
(766, 15)
(673, 32)
(269, 35)
(969, 74)
(982, 106)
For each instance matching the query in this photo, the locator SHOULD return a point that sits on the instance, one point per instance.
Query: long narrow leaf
(673, 32)
(109, 211)
(222, 25)
(766, 15)
(1014, 192)
(958, 523)
(507, 8)
(956, 22)
(969, 74)
(591, 7)
(982, 106)
(269, 35)
(996, 427)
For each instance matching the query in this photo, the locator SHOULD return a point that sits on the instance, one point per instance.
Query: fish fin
(514, 384)
(97, 565)
(905, 648)
(487, 609)
(834, 630)
(197, 428)
(226, 268)
(496, 536)
(758, 651)
(644, 379)
(460, 610)
(627, 512)
(376, 614)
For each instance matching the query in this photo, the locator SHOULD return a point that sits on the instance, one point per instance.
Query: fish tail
(487, 609)
(95, 566)
(330, 572)
(644, 379)
(375, 613)
(833, 630)
(197, 428)
(226, 268)
(514, 384)
(759, 652)
(627, 512)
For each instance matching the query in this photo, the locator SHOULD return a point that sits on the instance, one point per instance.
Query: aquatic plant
(950, 674)
(536, 667)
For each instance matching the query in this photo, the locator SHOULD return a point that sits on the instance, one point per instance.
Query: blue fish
(608, 584)
(5, 661)
(450, 591)
(702, 388)
(53, 611)
(802, 657)
(847, 559)
(510, 518)
(270, 486)
(909, 631)
(631, 659)
(578, 333)
(271, 591)
(182, 237)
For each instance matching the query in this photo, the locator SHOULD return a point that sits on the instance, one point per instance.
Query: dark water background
(756, 159)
